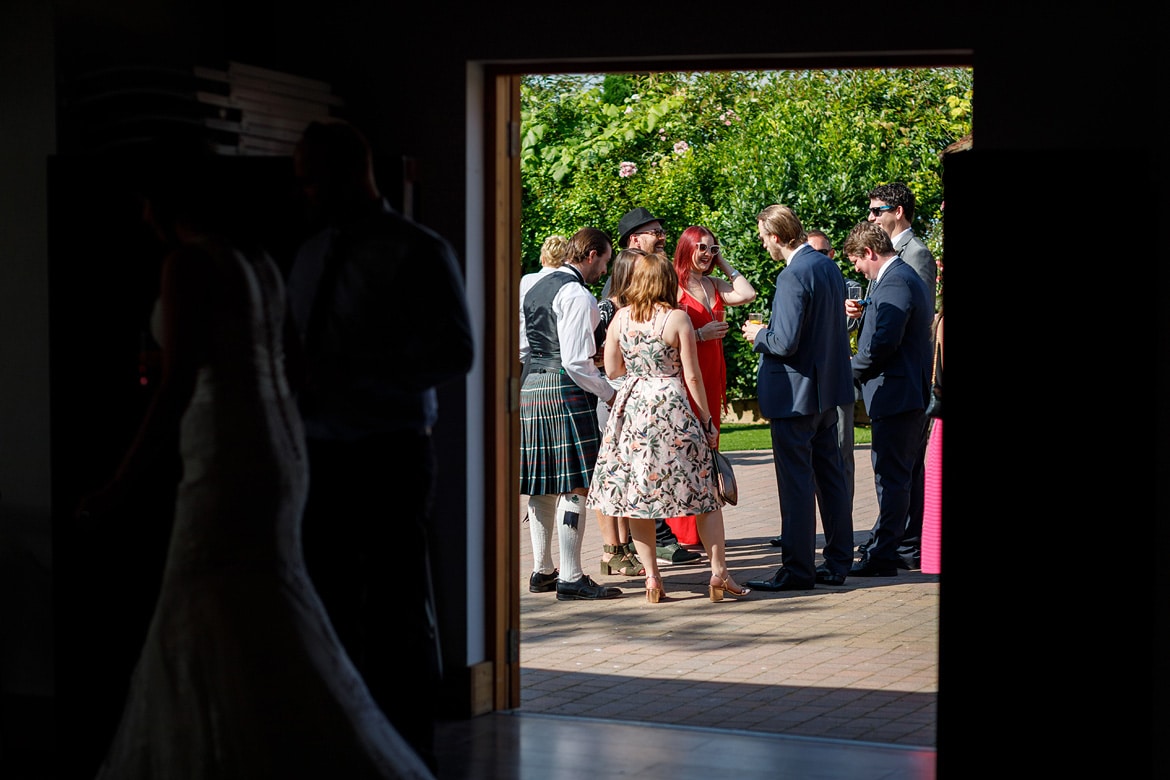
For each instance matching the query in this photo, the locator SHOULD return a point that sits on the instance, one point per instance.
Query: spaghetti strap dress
(654, 459)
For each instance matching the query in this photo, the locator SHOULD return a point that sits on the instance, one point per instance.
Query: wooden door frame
(501, 180)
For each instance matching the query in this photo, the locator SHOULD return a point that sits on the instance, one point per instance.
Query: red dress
(714, 370)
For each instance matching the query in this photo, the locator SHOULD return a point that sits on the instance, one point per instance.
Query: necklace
(706, 298)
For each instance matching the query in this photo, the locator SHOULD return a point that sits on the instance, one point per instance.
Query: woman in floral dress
(655, 458)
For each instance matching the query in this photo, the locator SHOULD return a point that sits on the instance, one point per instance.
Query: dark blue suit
(803, 377)
(892, 365)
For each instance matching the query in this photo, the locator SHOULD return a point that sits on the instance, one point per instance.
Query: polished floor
(531, 746)
(836, 683)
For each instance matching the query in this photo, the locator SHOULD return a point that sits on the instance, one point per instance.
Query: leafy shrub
(713, 149)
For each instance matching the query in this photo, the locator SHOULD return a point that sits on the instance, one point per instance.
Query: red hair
(684, 251)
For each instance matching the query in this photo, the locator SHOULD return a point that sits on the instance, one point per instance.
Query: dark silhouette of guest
(380, 309)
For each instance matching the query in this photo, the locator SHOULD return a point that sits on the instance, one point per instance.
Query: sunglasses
(877, 210)
(704, 247)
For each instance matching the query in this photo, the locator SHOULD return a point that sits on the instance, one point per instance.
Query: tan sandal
(721, 585)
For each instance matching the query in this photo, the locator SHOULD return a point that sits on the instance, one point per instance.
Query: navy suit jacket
(893, 357)
(804, 368)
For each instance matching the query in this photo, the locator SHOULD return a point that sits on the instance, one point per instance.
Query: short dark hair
(587, 240)
(895, 194)
(336, 157)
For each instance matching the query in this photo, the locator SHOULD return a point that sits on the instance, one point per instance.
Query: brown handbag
(725, 478)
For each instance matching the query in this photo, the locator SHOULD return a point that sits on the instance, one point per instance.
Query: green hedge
(715, 148)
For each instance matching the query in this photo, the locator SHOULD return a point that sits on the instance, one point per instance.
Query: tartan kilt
(559, 437)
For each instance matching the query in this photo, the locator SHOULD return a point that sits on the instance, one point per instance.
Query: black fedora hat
(633, 220)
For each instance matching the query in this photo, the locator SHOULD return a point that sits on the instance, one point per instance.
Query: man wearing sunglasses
(639, 229)
(642, 230)
(891, 207)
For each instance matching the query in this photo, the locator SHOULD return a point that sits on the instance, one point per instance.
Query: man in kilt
(559, 437)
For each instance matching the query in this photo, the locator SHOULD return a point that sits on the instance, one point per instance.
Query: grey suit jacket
(915, 254)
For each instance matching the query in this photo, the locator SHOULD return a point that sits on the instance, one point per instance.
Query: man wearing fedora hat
(640, 229)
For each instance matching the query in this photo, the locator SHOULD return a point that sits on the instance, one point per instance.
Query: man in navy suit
(803, 378)
(891, 207)
(892, 365)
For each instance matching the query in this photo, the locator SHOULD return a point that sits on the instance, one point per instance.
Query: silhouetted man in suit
(379, 304)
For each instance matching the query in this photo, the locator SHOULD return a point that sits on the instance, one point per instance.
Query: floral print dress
(654, 460)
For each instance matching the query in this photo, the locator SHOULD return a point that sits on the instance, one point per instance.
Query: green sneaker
(675, 554)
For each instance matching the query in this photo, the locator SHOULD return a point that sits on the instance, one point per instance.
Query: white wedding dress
(241, 674)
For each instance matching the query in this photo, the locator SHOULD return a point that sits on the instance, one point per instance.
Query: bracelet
(698, 335)
(734, 273)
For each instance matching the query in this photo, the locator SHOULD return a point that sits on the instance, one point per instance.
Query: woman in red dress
(705, 298)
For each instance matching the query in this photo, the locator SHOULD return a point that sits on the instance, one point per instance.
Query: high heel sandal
(621, 561)
(654, 595)
(719, 586)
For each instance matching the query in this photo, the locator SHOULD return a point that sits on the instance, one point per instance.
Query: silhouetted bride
(241, 674)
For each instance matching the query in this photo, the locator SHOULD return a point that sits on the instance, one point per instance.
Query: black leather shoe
(543, 583)
(585, 588)
(868, 568)
(781, 580)
(826, 577)
(777, 542)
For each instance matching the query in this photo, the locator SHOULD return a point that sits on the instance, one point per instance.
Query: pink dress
(932, 514)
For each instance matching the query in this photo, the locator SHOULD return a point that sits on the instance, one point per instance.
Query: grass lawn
(734, 437)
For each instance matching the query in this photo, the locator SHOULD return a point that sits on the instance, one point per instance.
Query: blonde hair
(782, 222)
(653, 280)
(553, 251)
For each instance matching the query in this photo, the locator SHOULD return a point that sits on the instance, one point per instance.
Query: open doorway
(506, 540)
